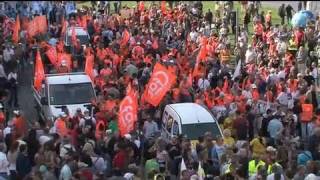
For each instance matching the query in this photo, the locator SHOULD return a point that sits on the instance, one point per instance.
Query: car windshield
(64, 94)
(83, 39)
(193, 131)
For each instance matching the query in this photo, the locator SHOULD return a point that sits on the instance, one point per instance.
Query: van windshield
(83, 39)
(64, 94)
(193, 131)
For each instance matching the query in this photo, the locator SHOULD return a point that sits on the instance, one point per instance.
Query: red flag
(73, 36)
(225, 87)
(159, 84)
(42, 26)
(163, 7)
(125, 38)
(52, 55)
(39, 72)
(141, 6)
(89, 66)
(15, 35)
(32, 28)
(128, 111)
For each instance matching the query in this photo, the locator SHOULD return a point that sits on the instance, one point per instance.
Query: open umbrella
(299, 20)
(309, 14)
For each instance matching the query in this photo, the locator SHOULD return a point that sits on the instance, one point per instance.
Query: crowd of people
(267, 105)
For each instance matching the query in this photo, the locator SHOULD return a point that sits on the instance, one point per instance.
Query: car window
(175, 128)
(169, 123)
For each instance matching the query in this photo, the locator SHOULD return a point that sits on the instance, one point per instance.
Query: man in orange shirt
(19, 123)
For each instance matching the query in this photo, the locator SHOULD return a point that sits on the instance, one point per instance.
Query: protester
(269, 105)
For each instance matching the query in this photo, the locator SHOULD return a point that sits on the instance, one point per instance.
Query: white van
(71, 90)
(189, 119)
(81, 34)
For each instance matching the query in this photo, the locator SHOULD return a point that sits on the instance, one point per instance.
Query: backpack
(88, 122)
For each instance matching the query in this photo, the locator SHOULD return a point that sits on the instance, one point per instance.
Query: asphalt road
(25, 95)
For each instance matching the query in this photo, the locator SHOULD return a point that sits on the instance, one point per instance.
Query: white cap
(149, 42)
(1, 106)
(311, 177)
(127, 136)
(253, 86)
(63, 63)
(63, 114)
(16, 112)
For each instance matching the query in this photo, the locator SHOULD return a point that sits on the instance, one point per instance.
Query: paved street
(25, 95)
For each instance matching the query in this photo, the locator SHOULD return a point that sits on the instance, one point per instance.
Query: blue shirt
(274, 127)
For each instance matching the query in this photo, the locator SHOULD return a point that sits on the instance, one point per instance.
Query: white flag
(200, 172)
(183, 166)
(237, 70)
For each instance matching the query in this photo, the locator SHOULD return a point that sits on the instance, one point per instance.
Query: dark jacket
(23, 165)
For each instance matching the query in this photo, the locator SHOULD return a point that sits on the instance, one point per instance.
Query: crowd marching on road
(144, 58)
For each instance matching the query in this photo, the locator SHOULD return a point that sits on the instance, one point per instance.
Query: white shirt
(65, 173)
(203, 84)
(314, 73)
(283, 98)
(193, 36)
(281, 74)
(7, 54)
(82, 121)
(4, 163)
(247, 94)
(13, 75)
(271, 177)
(2, 72)
(250, 56)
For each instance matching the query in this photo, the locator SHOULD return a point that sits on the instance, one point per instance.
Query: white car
(81, 34)
(72, 90)
(189, 119)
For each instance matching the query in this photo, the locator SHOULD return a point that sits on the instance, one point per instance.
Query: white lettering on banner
(127, 109)
(160, 80)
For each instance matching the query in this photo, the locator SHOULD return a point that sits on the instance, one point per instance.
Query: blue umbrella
(309, 14)
(299, 20)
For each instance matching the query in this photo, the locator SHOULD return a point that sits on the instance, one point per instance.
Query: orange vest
(255, 95)
(293, 85)
(61, 127)
(225, 55)
(228, 98)
(307, 112)
(20, 125)
(99, 131)
(2, 117)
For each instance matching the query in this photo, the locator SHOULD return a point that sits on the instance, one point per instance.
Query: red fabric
(42, 25)
(21, 126)
(120, 160)
(67, 57)
(163, 7)
(89, 66)
(32, 28)
(52, 55)
(128, 112)
(39, 72)
(125, 38)
(15, 35)
(159, 84)
(141, 6)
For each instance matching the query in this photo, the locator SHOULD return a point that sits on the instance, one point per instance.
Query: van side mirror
(44, 101)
